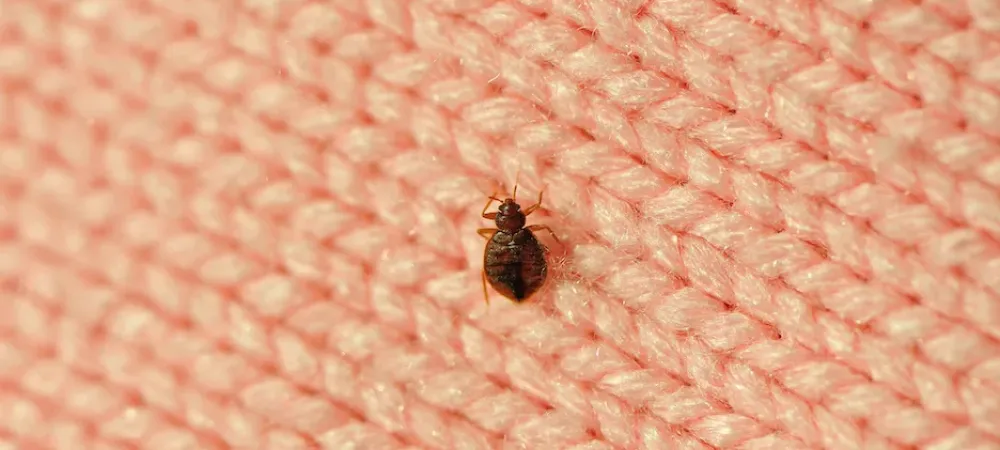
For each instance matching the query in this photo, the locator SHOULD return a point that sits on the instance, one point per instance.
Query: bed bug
(514, 260)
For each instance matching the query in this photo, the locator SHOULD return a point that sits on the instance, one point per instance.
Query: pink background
(252, 224)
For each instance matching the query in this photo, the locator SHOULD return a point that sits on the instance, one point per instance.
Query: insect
(514, 261)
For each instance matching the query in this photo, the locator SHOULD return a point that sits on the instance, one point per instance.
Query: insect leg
(532, 208)
(491, 216)
(544, 228)
(486, 294)
(486, 232)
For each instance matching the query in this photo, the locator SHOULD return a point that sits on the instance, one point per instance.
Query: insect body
(514, 262)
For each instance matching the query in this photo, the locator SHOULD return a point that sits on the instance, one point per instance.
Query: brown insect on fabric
(514, 261)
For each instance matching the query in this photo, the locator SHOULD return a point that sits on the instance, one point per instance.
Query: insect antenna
(517, 178)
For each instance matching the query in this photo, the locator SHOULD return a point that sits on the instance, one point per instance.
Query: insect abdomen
(515, 264)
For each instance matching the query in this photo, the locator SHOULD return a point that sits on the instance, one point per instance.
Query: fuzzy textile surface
(252, 224)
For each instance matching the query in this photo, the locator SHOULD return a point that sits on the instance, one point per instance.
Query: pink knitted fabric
(251, 224)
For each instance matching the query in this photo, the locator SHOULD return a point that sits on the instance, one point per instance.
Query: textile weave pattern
(251, 224)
